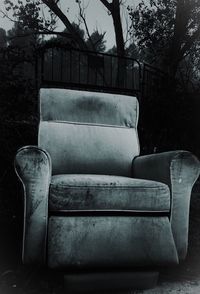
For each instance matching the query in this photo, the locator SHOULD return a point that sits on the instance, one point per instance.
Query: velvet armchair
(91, 202)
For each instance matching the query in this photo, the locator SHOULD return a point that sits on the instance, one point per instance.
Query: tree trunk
(118, 27)
(121, 71)
(114, 9)
(180, 30)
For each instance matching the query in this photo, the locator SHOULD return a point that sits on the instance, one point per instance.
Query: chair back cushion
(88, 132)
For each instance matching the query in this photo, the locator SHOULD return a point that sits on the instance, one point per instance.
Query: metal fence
(67, 67)
(154, 82)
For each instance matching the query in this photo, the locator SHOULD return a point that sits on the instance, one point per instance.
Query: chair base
(110, 281)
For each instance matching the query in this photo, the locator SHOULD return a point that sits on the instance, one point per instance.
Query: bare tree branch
(82, 15)
(190, 41)
(107, 4)
(57, 11)
(114, 8)
(5, 15)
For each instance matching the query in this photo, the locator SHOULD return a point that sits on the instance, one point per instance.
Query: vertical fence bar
(96, 73)
(70, 65)
(143, 82)
(117, 76)
(126, 82)
(61, 65)
(42, 67)
(79, 67)
(146, 81)
(87, 68)
(140, 78)
(36, 70)
(111, 70)
(52, 60)
(132, 74)
(103, 76)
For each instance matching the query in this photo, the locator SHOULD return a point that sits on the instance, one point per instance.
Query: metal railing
(67, 67)
(154, 82)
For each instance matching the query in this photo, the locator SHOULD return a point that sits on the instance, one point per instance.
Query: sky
(96, 16)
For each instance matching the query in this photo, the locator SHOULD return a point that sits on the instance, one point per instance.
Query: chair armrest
(33, 167)
(179, 170)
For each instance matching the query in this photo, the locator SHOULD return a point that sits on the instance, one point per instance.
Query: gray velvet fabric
(101, 192)
(179, 170)
(110, 242)
(89, 149)
(95, 135)
(94, 132)
(88, 107)
(33, 166)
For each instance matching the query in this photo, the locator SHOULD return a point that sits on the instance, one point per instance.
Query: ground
(18, 279)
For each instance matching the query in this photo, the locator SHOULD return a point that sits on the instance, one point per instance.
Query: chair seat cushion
(109, 193)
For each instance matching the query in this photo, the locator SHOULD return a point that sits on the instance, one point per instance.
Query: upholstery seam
(111, 186)
(109, 210)
(89, 124)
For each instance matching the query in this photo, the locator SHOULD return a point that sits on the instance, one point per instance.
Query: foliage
(16, 85)
(168, 36)
(97, 42)
(17, 74)
(30, 15)
(3, 38)
(149, 23)
(167, 31)
(31, 18)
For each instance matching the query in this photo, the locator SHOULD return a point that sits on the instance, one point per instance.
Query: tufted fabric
(94, 192)
(95, 133)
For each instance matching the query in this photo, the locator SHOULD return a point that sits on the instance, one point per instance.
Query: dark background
(154, 67)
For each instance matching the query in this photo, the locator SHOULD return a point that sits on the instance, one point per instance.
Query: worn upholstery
(90, 200)
(110, 242)
(110, 193)
(88, 107)
(33, 167)
(95, 133)
(179, 170)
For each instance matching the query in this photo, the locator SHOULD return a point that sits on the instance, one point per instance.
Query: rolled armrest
(33, 167)
(179, 170)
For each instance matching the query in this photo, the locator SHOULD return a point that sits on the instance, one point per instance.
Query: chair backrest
(88, 132)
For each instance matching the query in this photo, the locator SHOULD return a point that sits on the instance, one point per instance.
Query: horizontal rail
(66, 67)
